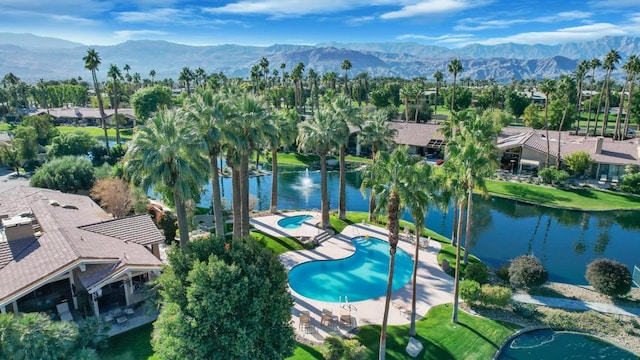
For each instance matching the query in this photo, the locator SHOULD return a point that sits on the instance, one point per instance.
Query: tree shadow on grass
(535, 195)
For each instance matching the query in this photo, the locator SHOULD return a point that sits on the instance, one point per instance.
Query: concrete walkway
(570, 304)
(434, 285)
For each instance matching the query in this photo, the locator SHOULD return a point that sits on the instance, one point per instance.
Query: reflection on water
(565, 241)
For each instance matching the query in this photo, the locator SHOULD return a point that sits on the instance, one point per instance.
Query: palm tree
(165, 152)
(438, 76)
(405, 96)
(282, 66)
(317, 134)
(377, 133)
(296, 76)
(152, 73)
(315, 90)
(329, 79)
(580, 73)
(547, 86)
(186, 75)
(634, 67)
(629, 67)
(609, 64)
(91, 62)
(454, 68)
(285, 123)
(264, 65)
(346, 66)
(390, 179)
(115, 75)
(344, 115)
(593, 65)
(210, 112)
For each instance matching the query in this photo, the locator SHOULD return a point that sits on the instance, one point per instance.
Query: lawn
(578, 199)
(98, 132)
(132, 345)
(277, 244)
(306, 160)
(473, 337)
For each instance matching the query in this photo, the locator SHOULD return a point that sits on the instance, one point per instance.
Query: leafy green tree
(609, 277)
(631, 183)
(381, 97)
(25, 139)
(147, 101)
(45, 131)
(578, 162)
(67, 174)
(75, 143)
(516, 103)
(559, 109)
(234, 293)
(11, 157)
(527, 271)
(462, 98)
(532, 117)
(499, 118)
(166, 152)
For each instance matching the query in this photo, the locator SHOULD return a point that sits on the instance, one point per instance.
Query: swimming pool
(561, 345)
(361, 276)
(293, 222)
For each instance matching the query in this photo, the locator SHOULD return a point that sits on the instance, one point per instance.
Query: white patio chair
(63, 312)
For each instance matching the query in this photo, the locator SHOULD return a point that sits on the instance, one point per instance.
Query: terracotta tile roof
(415, 134)
(63, 243)
(136, 228)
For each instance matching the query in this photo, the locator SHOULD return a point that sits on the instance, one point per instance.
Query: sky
(448, 23)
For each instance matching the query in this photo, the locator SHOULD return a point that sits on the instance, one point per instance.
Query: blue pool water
(293, 222)
(361, 276)
(561, 345)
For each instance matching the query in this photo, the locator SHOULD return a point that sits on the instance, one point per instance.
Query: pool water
(361, 276)
(293, 222)
(561, 345)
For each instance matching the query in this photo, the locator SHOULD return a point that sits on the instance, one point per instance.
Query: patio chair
(327, 317)
(63, 311)
(305, 321)
(614, 180)
(406, 234)
(346, 319)
(603, 178)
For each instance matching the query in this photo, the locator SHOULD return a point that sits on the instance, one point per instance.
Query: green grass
(297, 159)
(579, 199)
(132, 345)
(306, 352)
(277, 244)
(472, 338)
(96, 132)
(4, 127)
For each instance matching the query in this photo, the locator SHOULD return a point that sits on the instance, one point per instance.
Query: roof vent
(54, 203)
(68, 206)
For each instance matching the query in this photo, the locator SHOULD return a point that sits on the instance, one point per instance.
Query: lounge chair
(63, 311)
(603, 178)
(614, 180)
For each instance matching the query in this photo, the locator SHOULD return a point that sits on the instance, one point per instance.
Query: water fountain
(305, 185)
(306, 181)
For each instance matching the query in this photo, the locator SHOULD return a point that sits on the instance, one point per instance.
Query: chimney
(17, 228)
(599, 142)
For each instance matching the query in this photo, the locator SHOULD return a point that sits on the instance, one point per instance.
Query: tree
(317, 134)
(25, 140)
(285, 122)
(462, 99)
(11, 156)
(75, 143)
(532, 117)
(594, 64)
(516, 103)
(346, 66)
(152, 73)
(45, 130)
(609, 64)
(609, 277)
(390, 177)
(91, 62)
(632, 67)
(115, 75)
(547, 87)
(454, 68)
(235, 293)
(377, 133)
(438, 76)
(578, 162)
(166, 152)
(185, 77)
(147, 101)
(526, 271)
(114, 195)
(67, 174)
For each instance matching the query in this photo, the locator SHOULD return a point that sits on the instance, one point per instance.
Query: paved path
(8, 179)
(570, 304)
(434, 285)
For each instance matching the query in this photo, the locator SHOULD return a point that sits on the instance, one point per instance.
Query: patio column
(72, 285)
(127, 289)
(3, 309)
(358, 145)
(15, 307)
(96, 308)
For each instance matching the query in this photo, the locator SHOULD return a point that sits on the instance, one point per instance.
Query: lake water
(565, 241)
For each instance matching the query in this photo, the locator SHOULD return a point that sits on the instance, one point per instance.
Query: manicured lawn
(297, 159)
(277, 244)
(306, 352)
(4, 127)
(581, 199)
(472, 338)
(97, 132)
(132, 345)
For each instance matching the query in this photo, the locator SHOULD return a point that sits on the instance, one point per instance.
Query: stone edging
(518, 333)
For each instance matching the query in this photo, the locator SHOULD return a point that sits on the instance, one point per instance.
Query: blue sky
(449, 23)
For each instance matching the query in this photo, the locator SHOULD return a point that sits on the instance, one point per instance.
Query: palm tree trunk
(323, 191)
(414, 278)
(101, 109)
(628, 110)
(372, 195)
(546, 129)
(595, 124)
(454, 230)
(616, 133)
(235, 190)
(416, 114)
(215, 195)
(115, 106)
(406, 110)
(456, 280)
(342, 198)
(274, 180)
(244, 195)
(590, 103)
(564, 115)
(467, 231)
(393, 226)
(607, 101)
(181, 212)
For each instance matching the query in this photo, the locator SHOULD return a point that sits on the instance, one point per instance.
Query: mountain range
(32, 57)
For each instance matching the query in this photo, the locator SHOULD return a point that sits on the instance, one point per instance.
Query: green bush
(527, 310)
(609, 277)
(551, 175)
(353, 350)
(67, 174)
(495, 295)
(477, 272)
(470, 291)
(503, 273)
(631, 183)
(526, 272)
(336, 348)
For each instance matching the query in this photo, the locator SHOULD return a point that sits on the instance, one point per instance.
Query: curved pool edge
(529, 329)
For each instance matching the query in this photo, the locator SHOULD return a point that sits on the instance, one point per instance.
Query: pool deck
(434, 285)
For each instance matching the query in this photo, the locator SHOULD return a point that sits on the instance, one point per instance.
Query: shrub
(551, 175)
(578, 162)
(67, 174)
(527, 310)
(631, 183)
(609, 277)
(336, 348)
(470, 291)
(503, 273)
(526, 272)
(495, 295)
(353, 350)
(477, 272)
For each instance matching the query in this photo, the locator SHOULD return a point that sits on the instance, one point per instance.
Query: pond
(565, 241)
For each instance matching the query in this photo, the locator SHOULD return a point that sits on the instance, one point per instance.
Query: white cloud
(360, 20)
(288, 8)
(444, 39)
(128, 34)
(613, 4)
(156, 16)
(577, 33)
(431, 7)
(74, 19)
(477, 24)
